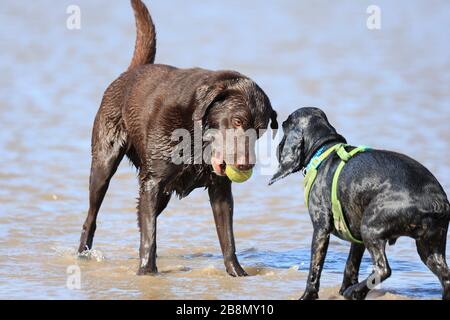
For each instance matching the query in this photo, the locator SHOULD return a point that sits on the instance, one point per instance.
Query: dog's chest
(188, 179)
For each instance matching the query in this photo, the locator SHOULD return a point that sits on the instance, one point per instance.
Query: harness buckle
(304, 172)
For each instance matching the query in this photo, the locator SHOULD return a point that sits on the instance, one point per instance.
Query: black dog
(138, 115)
(384, 195)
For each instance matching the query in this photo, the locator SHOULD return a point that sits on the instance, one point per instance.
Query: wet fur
(385, 195)
(138, 114)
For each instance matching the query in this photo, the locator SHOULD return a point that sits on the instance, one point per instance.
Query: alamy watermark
(73, 281)
(73, 21)
(374, 279)
(374, 19)
(223, 147)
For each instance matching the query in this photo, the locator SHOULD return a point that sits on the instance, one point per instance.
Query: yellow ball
(236, 175)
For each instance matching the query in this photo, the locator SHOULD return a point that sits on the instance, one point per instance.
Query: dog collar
(318, 157)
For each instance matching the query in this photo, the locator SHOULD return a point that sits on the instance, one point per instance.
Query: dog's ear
(274, 123)
(289, 154)
(205, 97)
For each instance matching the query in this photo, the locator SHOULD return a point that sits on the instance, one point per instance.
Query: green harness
(338, 215)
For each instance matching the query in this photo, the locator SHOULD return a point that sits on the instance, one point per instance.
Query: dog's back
(392, 187)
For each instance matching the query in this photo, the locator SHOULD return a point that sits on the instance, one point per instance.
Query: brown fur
(145, 48)
(137, 116)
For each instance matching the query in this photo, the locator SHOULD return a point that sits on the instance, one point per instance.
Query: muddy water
(387, 88)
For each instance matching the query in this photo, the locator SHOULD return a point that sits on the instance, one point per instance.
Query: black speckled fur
(384, 195)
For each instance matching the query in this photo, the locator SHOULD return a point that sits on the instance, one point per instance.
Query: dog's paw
(147, 271)
(345, 286)
(309, 295)
(235, 270)
(356, 292)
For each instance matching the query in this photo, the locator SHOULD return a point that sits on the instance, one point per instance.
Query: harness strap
(338, 215)
(311, 174)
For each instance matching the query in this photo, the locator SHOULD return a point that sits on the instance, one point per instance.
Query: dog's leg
(381, 271)
(221, 200)
(352, 267)
(432, 252)
(152, 201)
(105, 161)
(319, 249)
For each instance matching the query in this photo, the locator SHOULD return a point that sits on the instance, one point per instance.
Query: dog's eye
(237, 123)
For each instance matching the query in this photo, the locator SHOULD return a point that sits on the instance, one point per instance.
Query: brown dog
(140, 111)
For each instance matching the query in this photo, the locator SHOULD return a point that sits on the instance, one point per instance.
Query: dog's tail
(145, 48)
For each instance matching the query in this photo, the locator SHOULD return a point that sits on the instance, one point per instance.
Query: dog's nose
(245, 167)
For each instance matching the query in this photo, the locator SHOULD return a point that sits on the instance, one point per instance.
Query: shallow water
(387, 89)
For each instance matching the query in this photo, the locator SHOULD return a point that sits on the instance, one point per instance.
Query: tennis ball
(236, 175)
